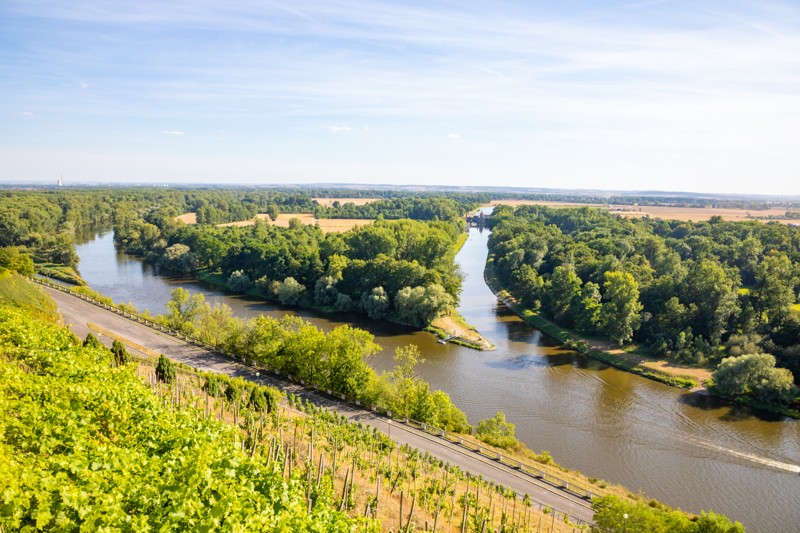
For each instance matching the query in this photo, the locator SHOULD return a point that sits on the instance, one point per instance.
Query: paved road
(77, 313)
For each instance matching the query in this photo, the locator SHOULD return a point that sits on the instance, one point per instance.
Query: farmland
(693, 214)
(328, 225)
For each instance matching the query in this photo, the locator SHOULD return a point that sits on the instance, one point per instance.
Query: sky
(700, 96)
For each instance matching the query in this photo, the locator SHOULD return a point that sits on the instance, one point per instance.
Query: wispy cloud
(25, 113)
(637, 87)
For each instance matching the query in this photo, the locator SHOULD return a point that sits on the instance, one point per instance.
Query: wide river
(687, 450)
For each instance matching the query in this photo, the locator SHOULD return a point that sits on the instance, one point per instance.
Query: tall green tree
(620, 313)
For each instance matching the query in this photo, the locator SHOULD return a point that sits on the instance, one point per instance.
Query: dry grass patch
(187, 218)
(328, 225)
(686, 214)
(328, 202)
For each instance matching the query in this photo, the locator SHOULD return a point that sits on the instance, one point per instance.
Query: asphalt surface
(77, 313)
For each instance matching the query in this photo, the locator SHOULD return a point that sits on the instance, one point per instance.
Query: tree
(755, 375)
(774, 288)
(619, 314)
(420, 305)
(713, 291)
(403, 378)
(586, 310)
(121, 355)
(497, 431)
(325, 291)
(375, 303)
(92, 342)
(238, 281)
(563, 288)
(13, 259)
(178, 258)
(183, 308)
(213, 324)
(290, 291)
(165, 370)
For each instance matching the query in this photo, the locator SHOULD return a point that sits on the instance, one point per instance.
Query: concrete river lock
(688, 450)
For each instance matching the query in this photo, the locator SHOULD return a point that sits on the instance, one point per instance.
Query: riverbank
(693, 379)
(451, 327)
(684, 377)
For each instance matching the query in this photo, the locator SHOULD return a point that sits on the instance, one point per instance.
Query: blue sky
(687, 95)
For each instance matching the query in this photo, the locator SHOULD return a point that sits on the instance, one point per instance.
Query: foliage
(418, 306)
(183, 308)
(92, 342)
(614, 515)
(165, 369)
(755, 375)
(13, 259)
(121, 355)
(671, 285)
(290, 291)
(88, 446)
(178, 258)
(238, 281)
(497, 432)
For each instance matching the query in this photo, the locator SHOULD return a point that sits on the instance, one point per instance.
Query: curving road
(78, 313)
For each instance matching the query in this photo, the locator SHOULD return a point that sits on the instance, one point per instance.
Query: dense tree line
(336, 360)
(436, 207)
(400, 269)
(693, 291)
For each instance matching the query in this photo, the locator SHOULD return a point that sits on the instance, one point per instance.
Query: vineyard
(91, 442)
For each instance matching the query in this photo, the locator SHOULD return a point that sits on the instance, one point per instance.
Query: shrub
(165, 370)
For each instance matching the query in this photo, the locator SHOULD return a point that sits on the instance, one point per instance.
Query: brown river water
(688, 450)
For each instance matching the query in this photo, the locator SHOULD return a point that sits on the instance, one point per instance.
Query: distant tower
(61, 180)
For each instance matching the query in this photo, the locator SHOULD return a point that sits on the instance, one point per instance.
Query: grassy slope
(16, 291)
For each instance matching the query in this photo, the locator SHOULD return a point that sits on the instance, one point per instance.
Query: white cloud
(26, 113)
(173, 132)
(454, 136)
(339, 129)
(84, 85)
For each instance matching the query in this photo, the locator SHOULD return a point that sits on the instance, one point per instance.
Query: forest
(705, 293)
(400, 268)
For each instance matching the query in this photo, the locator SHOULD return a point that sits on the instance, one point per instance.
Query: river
(690, 451)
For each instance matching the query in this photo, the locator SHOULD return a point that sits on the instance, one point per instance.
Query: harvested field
(694, 214)
(188, 218)
(328, 225)
(328, 202)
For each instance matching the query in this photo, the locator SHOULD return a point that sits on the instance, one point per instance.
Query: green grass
(19, 292)
(60, 272)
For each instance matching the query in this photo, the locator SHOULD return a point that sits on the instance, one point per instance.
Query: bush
(238, 281)
(121, 355)
(497, 432)
(92, 342)
(290, 291)
(165, 370)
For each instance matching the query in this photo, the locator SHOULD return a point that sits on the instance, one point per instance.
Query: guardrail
(452, 438)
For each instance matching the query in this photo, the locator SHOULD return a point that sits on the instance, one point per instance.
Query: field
(328, 202)
(694, 214)
(188, 218)
(328, 225)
